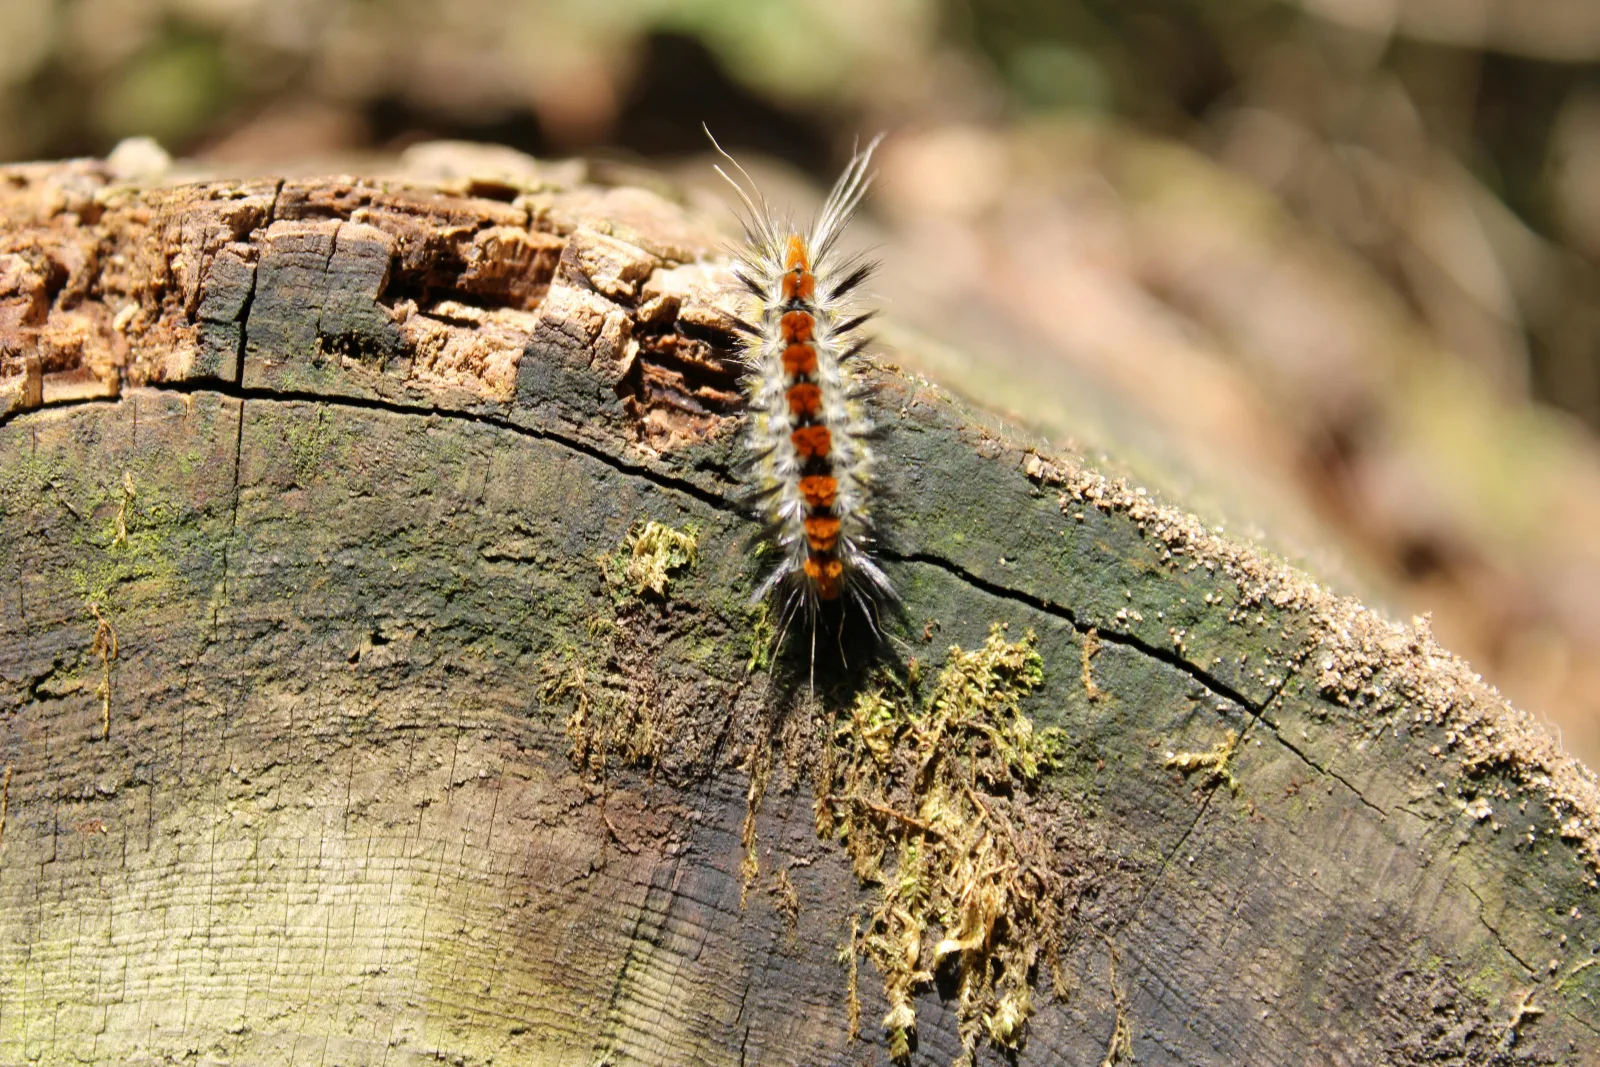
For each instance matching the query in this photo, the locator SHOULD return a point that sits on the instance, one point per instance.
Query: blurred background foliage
(1339, 257)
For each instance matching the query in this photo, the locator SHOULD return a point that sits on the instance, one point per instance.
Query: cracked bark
(336, 818)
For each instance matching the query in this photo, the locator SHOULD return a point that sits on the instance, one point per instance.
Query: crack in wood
(1177, 847)
(1319, 768)
(1499, 938)
(1216, 685)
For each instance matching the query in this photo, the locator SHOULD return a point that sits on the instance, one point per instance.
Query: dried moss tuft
(648, 556)
(605, 723)
(611, 716)
(929, 796)
(1214, 762)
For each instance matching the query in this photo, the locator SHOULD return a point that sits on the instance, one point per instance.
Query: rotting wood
(384, 430)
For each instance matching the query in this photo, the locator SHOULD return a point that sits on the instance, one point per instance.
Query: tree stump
(381, 686)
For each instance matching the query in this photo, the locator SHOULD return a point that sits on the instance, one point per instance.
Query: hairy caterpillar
(808, 427)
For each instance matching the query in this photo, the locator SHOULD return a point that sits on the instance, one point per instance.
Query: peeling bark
(337, 457)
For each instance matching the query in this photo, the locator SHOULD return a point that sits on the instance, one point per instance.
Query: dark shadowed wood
(314, 628)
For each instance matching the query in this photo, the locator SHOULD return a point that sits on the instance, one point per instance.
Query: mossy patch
(762, 638)
(605, 723)
(133, 544)
(618, 711)
(129, 543)
(932, 796)
(24, 477)
(314, 438)
(648, 557)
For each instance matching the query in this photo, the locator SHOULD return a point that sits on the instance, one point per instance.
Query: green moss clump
(762, 637)
(648, 556)
(929, 797)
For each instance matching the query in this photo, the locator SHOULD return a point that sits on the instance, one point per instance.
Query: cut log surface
(339, 727)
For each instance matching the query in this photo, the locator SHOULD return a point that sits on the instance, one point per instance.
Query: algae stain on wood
(128, 548)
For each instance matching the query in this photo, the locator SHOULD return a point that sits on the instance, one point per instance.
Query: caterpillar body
(808, 429)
